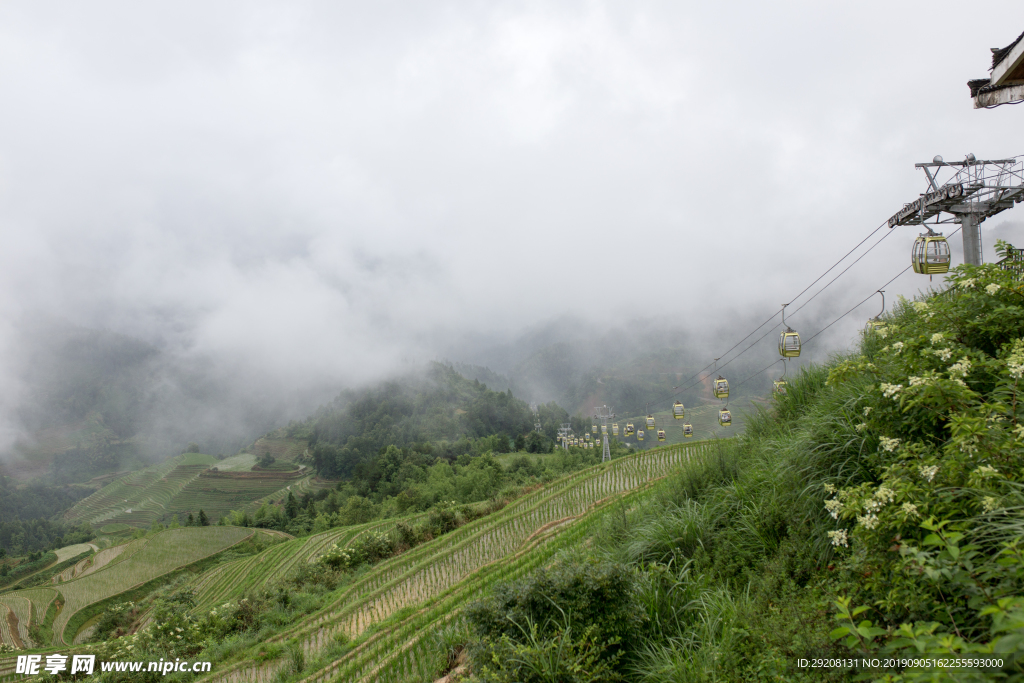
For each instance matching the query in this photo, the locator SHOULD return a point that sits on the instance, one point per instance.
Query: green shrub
(583, 607)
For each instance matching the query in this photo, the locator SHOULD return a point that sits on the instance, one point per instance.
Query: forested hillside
(441, 413)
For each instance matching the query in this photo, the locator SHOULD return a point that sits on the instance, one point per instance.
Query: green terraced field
(180, 486)
(218, 493)
(140, 563)
(438, 577)
(27, 605)
(230, 581)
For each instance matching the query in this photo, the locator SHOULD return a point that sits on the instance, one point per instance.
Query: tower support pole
(972, 237)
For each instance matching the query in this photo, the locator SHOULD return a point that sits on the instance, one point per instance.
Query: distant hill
(96, 402)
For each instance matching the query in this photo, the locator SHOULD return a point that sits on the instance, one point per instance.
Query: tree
(191, 520)
(291, 508)
(203, 519)
(192, 447)
(265, 460)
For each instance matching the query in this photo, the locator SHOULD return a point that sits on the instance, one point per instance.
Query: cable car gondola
(724, 417)
(640, 435)
(604, 429)
(630, 429)
(678, 411)
(779, 386)
(593, 428)
(687, 430)
(721, 387)
(789, 340)
(930, 255)
(661, 435)
(650, 422)
(615, 429)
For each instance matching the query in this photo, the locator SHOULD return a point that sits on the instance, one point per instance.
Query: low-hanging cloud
(313, 192)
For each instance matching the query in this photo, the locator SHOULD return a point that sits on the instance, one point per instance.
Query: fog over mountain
(284, 199)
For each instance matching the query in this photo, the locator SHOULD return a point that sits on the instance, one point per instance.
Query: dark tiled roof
(977, 85)
(1000, 55)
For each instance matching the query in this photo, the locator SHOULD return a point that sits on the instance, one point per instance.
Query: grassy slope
(916, 445)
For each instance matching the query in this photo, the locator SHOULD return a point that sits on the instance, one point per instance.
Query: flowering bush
(926, 532)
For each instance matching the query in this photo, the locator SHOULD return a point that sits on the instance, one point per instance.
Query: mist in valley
(217, 218)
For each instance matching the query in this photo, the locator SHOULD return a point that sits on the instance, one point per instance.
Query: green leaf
(839, 633)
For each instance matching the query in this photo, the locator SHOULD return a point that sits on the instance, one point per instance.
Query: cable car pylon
(604, 414)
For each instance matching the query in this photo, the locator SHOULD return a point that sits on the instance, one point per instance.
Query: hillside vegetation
(876, 510)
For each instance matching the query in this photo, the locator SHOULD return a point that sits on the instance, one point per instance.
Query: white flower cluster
(867, 410)
(869, 521)
(834, 507)
(992, 289)
(936, 338)
(897, 347)
(861, 427)
(968, 283)
(882, 331)
(888, 445)
(1015, 362)
(909, 509)
(960, 368)
(943, 354)
(838, 538)
(885, 494)
(990, 504)
(986, 471)
(1019, 431)
(891, 390)
(919, 381)
(829, 488)
(928, 471)
(920, 306)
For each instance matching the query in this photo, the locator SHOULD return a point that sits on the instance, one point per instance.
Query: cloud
(317, 191)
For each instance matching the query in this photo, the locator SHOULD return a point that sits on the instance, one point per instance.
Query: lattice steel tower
(603, 414)
(976, 190)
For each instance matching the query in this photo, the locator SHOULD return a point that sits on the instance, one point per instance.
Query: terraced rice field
(26, 606)
(69, 551)
(218, 493)
(457, 566)
(91, 564)
(307, 484)
(139, 498)
(230, 581)
(281, 447)
(140, 563)
(180, 486)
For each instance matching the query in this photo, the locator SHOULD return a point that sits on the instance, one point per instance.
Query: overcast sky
(326, 188)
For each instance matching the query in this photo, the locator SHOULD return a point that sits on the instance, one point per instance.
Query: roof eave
(1010, 94)
(1009, 68)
